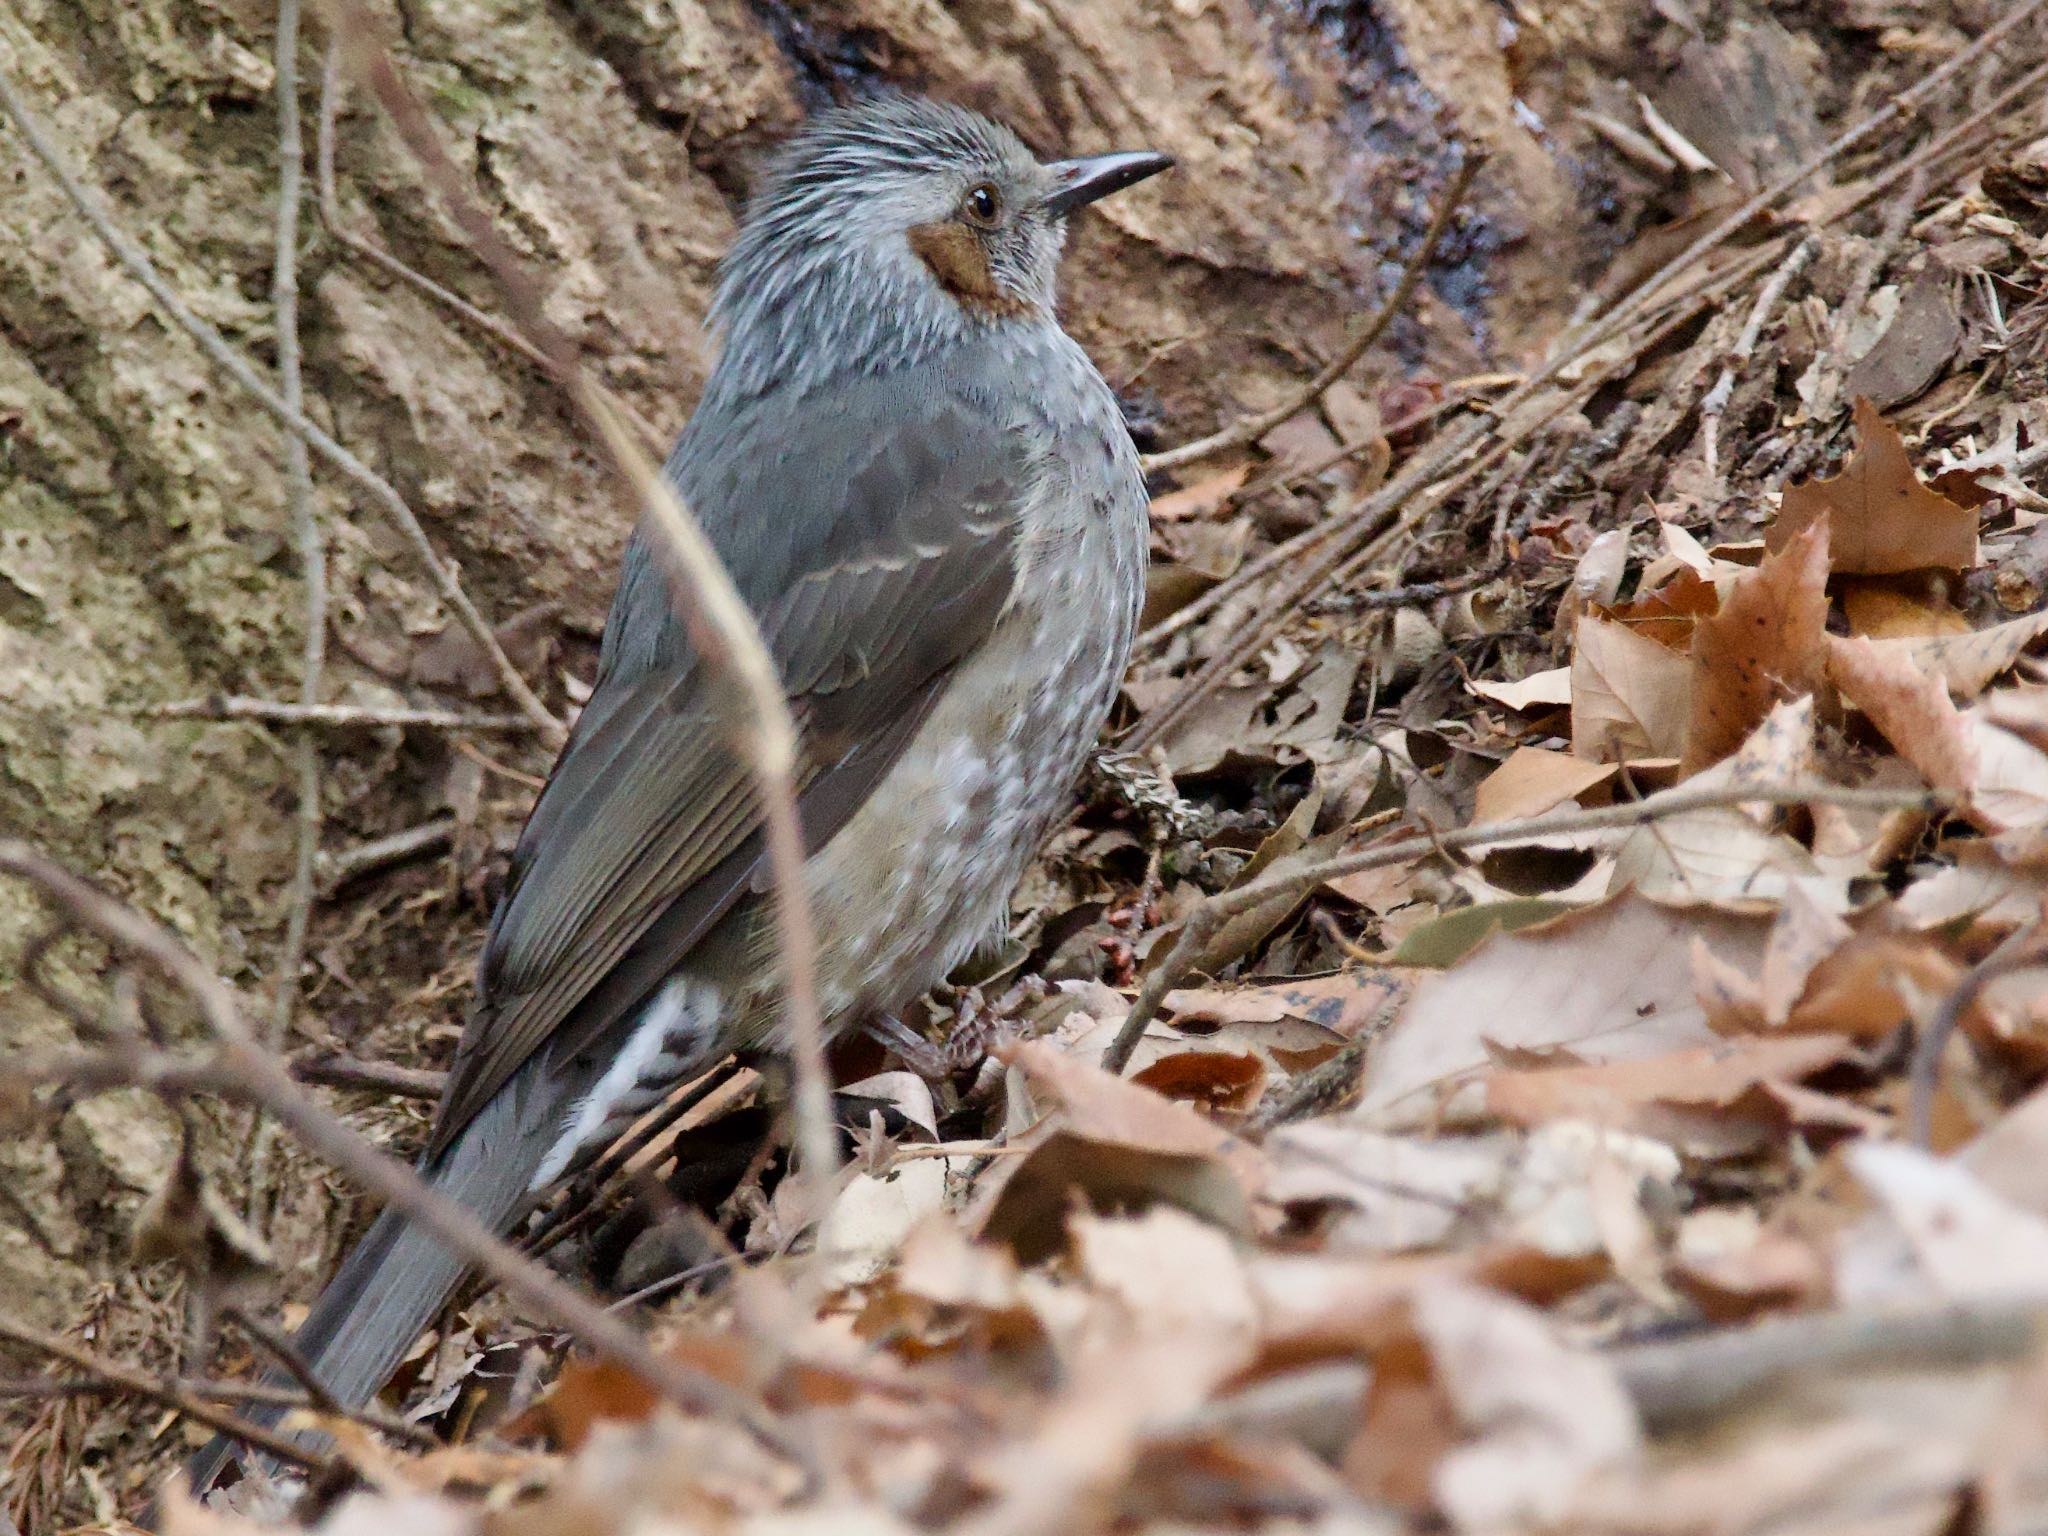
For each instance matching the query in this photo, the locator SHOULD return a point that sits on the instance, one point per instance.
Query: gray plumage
(926, 494)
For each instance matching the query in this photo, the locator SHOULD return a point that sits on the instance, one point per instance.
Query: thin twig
(281, 1349)
(1295, 879)
(1249, 429)
(269, 1394)
(236, 367)
(338, 869)
(1414, 592)
(340, 716)
(305, 518)
(1685, 1383)
(139, 1383)
(1768, 298)
(2019, 949)
(242, 1070)
(721, 629)
(331, 1069)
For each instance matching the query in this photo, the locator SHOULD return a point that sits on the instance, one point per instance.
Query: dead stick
(140, 1383)
(1250, 429)
(339, 716)
(1299, 879)
(305, 517)
(331, 1069)
(1683, 1383)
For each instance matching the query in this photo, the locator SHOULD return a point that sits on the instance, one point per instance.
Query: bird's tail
(398, 1277)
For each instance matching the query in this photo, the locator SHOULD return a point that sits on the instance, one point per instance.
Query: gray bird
(927, 495)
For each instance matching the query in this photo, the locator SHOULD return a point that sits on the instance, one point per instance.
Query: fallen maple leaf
(1881, 517)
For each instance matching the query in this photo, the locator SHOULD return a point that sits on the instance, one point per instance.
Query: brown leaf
(1609, 982)
(1115, 1144)
(1343, 1003)
(1891, 608)
(1222, 1082)
(1542, 1418)
(1630, 696)
(1667, 614)
(1762, 647)
(1915, 347)
(1968, 662)
(1618, 1093)
(1881, 518)
(1910, 708)
(1539, 690)
(1202, 498)
(1535, 780)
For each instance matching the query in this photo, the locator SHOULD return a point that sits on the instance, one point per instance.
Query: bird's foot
(917, 1054)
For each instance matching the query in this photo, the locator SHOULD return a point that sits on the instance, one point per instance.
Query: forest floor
(1539, 1024)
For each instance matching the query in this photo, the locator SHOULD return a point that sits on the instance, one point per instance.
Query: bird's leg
(980, 1025)
(918, 1054)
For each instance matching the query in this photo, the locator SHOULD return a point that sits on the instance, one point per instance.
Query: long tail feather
(397, 1278)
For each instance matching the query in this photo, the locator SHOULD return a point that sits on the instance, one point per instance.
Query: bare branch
(352, 863)
(331, 1069)
(305, 518)
(221, 706)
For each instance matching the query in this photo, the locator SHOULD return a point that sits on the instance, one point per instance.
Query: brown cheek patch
(957, 260)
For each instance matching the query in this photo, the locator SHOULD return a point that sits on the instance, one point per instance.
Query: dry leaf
(1544, 1418)
(1892, 608)
(1539, 690)
(1880, 517)
(1631, 697)
(1968, 662)
(1202, 498)
(1612, 982)
(1534, 780)
(1763, 646)
(1915, 347)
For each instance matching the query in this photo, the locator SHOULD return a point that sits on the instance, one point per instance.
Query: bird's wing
(877, 557)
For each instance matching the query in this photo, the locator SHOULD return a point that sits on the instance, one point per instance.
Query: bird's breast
(924, 870)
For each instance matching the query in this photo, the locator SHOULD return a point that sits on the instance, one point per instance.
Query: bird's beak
(1079, 182)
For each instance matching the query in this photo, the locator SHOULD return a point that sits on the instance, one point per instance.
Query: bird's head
(899, 222)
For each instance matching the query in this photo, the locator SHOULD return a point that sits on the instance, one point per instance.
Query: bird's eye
(982, 204)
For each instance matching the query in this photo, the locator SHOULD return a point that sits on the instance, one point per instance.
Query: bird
(931, 503)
